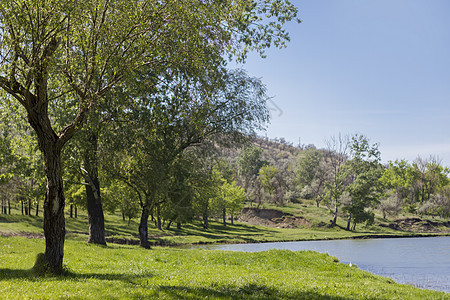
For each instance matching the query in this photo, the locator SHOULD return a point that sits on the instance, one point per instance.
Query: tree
(365, 170)
(398, 179)
(83, 49)
(249, 165)
(234, 196)
(273, 183)
(312, 173)
(431, 176)
(164, 125)
(7, 159)
(336, 156)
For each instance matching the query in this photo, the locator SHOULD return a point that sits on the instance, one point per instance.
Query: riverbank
(129, 272)
(421, 262)
(120, 232)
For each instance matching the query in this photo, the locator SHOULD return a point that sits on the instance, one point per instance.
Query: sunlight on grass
(128, 272)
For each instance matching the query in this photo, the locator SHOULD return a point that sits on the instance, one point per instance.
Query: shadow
(16, 274)
(110, 277)
(250, 291)
(30, 275)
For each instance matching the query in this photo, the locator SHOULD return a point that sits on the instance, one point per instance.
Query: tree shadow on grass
(250, 291)
(31, 275)
(110, 277)
(16, 274)
(222, 233)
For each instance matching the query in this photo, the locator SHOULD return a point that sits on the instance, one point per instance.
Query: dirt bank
(272, 218)
(419, 225)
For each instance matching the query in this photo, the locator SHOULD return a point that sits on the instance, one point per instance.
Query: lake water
(422, 262)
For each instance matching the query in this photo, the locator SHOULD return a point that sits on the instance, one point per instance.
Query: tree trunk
(21, 202)
(71, 211)
(205, 215)
(76, 211)
(158, 217)
(95, 213)
(37, 206)
(94, 203)
(9, 206)
(168, 224)
(205, 221)
(29, 207)
(333, 222)
(232, 219)
(224, 217)
(349, 220)
(54, 222)
(178, 225)
(143, 229)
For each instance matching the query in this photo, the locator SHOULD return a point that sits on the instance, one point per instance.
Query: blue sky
(379, 68)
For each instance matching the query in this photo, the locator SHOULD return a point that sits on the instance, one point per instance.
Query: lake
(421, 262)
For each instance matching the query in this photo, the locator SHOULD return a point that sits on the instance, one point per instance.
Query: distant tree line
(347, 177)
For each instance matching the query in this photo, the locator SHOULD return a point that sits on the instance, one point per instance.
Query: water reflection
(422, 262)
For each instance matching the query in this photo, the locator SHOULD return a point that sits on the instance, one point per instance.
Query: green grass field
(118, 230)
(129, 272)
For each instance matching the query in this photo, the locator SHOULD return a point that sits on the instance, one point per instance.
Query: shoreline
(163, 243)
(359, 237)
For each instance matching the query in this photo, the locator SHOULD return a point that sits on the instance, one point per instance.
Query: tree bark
(335, 213)
(143, 228)
(95, 213)
(158, 217)
(94, 204)
(54, 222)
(205, 221)
(224, 217)
(349, 220)
(205, 215)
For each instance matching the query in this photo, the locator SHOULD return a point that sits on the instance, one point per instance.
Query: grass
(129, 272)
(118, 230)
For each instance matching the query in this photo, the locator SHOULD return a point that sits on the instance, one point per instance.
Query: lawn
(129, 272)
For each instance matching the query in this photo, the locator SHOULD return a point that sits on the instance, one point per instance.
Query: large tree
(163, 125)
(83, 49)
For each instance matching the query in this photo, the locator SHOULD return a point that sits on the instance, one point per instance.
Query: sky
(380, 68)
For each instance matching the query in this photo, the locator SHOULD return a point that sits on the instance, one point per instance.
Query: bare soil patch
(419, 225)
(30, 235)
(272, 218)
